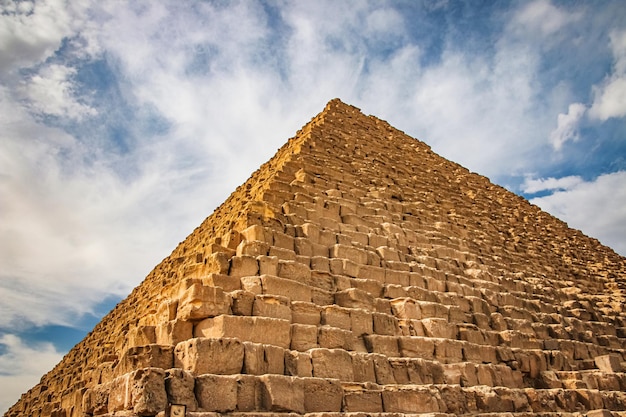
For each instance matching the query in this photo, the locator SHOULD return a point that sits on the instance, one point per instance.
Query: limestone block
(351, 253)
(291, 289)
(433, 310)
(179, 386)
(395, 277)
(336, 316)
(96, 399)
(282, 254)
(199, 302)
(360, 399)
(283, 240)
(332, 363)
(268, 265)
(322, 395)
(156, 356)
(363, 367)
(252, 248)
(167, 310)
(384, 324)
(382, 369)
(350, 268)
(320, 263)
(416, 347)
(119, 395)
(461, 373)
(248, 393)
(146, 388)
(282, 393)
(298, 364)
(253, 329)
(241, 266)
(210, 356)
(322, 297)
(173, 332)
(388, 253)
(141, 335)
(608, 363)
(321, 280)
(263, 359)
(217, 262)
(361, 322)
(217, 393)
(272, 306)
(334, 338)
(394, 291)
(257, 232)
(305, 313)
(225, 282)
(252, 284)
(439, 328)
(406, 308)
(372, 272)
(448, 351)
(386, 345)
(411, 400)
(242, 302)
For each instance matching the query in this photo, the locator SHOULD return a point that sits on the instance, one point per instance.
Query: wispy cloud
(594, 206)
(610, 95)
(567, 125)
(532, 186)
(21, 366)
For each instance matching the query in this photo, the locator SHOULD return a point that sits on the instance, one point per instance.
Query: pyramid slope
(359, 265)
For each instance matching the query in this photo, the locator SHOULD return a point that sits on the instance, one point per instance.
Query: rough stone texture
(358, 273)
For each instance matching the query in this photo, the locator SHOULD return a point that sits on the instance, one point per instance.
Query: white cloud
(533, 186)
(21, 367)
(567, 125)
(541, 18)
(596, 207)
(52, 92)
(610, 96)
(30, 31)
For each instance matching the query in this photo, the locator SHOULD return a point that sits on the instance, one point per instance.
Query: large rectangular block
(298, 364)
(334, 338)
(156, 356)
(199, 302)
(264, 330)
(406, 308)
(210, 356)
(608, 363)
(225, 282)
(173, 332)
(274, 306)
(282, 393)
(180, 386)
(355, 298)
(332, 363)
(217, 393)
(337, 317)
(305, 313)
(411, 400)
(385, 345)
(263, 359)
(294, 271)
(351, 253)
(295, 291)
(322, 395)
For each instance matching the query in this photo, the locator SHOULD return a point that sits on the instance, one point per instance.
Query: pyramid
(358, 273)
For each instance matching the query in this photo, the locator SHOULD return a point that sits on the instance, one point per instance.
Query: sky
(124, 124)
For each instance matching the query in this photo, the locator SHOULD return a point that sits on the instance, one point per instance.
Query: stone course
(356, 274)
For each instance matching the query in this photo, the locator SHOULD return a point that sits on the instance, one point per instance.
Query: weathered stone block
(217, 393)
(406, 308)
(386, 345)
(263, 330)
(332, 363)
(272, 306)
(355, 298)
(305, 313)
(282, 393)
(268, 265)
(298, 364)
(322, 395)
(199, 302)
(289, 288)
(331, 338)
(156, 356)
(180, 386)
(225, 282)
(141, 335)
(252, 248)
(384, 324)
(173, 332)
(336, 316)
(242, 266)
(263, 359)
(411, 400)
(608, 363)
(363, 367)
(210, 356)
(439, 328)
(359, 399)
(146, 388)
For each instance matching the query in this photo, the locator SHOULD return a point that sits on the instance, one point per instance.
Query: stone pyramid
(358, 273)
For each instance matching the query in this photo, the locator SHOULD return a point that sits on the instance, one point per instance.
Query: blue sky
(124, 124)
